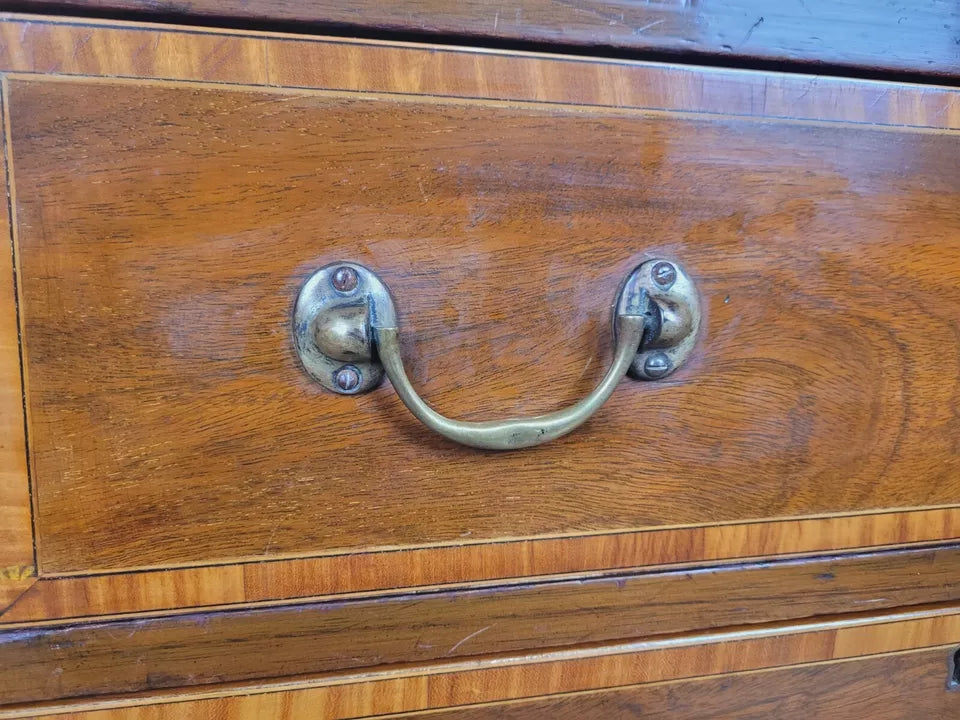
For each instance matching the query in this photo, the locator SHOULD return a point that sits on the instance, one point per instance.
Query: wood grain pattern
(104, 48)
(826, 259)
(918, 36)
(240, 583)
(847, 411)
(144, 51)
(512, 677)
(17, 572)
(904, 686)
(140, 654)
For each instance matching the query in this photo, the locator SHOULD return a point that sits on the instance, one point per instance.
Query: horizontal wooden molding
(208, 648)
(502, 678)
(856, 35)
(53, 598)
(71, 46)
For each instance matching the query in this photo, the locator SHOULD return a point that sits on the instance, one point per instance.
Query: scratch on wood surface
(750, 31)
(468, 637)
(880, 97)
(585, 367)
(640, 30)
(80, 43)
(946, 107)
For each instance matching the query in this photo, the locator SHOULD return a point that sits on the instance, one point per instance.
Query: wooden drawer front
(170, 190)
(164, 232)
(165, 220)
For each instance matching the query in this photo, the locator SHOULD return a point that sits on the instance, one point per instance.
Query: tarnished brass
(513, 433)
(348, 339)
(679, 313)
(332, 327)
(343, 334)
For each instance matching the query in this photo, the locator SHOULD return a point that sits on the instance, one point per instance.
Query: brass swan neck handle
(347, 336)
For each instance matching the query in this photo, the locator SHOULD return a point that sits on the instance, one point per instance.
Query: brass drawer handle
(345, 330)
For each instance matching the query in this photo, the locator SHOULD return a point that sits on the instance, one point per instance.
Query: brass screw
(347, 378)
(344, 279)
(657, 365)
(664, 275)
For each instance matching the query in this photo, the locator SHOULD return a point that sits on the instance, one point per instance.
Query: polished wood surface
(903, 686)
(17, 570)
(86, 47)
(173, 424)
(189, 650)
(510, 677)
(338, 575)
(917, 36)
(190, 442)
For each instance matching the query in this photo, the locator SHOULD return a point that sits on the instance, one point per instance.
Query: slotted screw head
(664, 275)
(657, 365)
(347, 378)
(344, 279)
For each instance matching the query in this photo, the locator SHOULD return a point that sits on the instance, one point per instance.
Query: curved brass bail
(512, 433)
